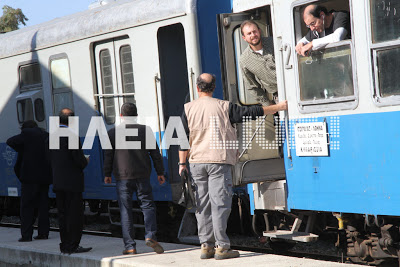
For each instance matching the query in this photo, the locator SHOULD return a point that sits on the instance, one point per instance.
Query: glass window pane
(106, 72)
(108, 88)
(62, 100)
(128, 85)
(30, 75)
(109, 109)
(388, 66)
(24, 110)
(385, 22)
(39, 109)
(60, 76)
(327, 74)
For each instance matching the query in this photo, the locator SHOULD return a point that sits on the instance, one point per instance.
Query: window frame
(35, 86)
(340, 103)
(39, 117)
(32, 110)
(63, 89)
(373, 49)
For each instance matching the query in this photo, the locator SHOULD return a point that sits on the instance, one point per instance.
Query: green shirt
(259, 71)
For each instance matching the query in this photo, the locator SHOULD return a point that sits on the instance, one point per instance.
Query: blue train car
(336, 168)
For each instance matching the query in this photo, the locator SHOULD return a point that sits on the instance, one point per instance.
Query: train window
(326, 75)
(385, 20)
(61, 83)
(128, 85)
(385, 45)
(61, 100)
(39, 109)
(108, 88)
(29, 76)
(60, 76)
(24, 110)
(388, 76)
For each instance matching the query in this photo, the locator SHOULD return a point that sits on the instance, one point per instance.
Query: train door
(115, 81)
(30, 105)
(174, 82)
(114, 74)
(260, 148)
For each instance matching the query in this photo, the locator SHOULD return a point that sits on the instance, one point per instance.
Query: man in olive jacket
(132, 169)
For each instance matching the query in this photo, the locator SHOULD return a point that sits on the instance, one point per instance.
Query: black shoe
(38, 237)
(81, 250)
(25, 239)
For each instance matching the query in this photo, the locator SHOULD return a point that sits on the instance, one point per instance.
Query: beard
(257, 43)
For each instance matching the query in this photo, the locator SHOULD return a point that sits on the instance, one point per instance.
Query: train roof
(117, 15)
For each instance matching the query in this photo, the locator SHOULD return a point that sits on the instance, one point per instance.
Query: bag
(187, 199)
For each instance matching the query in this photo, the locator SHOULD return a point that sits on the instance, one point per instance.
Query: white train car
(145, 51)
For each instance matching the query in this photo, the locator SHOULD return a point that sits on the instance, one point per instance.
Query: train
(327, 164)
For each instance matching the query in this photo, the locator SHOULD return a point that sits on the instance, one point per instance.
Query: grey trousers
(214, 201)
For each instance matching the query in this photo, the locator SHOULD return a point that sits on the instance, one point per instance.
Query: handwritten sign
(311, 139)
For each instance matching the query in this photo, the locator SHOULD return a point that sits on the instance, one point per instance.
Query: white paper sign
(311, 139)
(12, 192)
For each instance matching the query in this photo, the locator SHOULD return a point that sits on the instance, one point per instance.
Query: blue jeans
(125, 190)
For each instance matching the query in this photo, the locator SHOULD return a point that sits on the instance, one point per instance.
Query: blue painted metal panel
(207, 11)
(362, 176)
(251, 198)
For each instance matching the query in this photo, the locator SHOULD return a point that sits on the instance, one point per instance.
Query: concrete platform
(107, 252)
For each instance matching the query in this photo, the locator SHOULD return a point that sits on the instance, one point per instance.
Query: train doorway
(174, 82)
(261, 156)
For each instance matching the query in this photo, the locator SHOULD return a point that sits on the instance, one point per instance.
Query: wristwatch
(180, 163)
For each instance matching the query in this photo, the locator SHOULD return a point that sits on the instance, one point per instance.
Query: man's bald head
(206, 82)
(64, 114)
(314, 10)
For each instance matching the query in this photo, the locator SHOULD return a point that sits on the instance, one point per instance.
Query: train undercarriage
(363, 239)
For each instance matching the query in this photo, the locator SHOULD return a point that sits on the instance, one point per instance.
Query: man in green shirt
(258, 64)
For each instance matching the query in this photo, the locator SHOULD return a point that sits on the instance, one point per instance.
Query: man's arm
(236, 112)
(338, 35)
(183, 153)
(254, 87)
(16, 142)
(182, 159)
(157, 159)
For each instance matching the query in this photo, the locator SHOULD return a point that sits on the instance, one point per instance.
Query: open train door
(260, 147)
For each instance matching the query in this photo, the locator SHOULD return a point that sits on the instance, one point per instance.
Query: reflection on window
(388, 71)
(107, 81)
(62, 100)
(39, 109)
(30, 76)
(24, 110)
(61, 84)
(385, 20)
(327, 74)
(128, 85)
(60, 76)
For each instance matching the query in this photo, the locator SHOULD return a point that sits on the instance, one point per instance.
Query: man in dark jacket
(33, 170)
(131, 169)
(68, 184)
